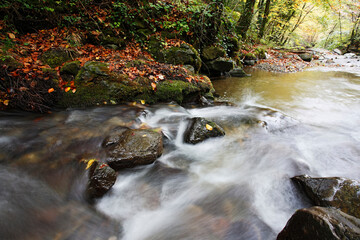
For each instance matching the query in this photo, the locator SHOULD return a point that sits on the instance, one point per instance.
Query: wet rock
(57, 56)
(318, 223)
(307, 57)
(101, 179)
(332, 192)
(133, 148)
(212, 52)
(200, 129)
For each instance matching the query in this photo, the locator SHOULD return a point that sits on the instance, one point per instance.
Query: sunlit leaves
(208, 127)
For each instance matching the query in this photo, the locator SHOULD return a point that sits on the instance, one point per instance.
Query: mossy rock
(222, 64)
(250, 56)
(92, 71)
(212, 52)
(95, 85)
(112, 42)
(71, 68)
(183, 55)
(57, 56)
(10, 62)
(260, 53)
(232, 46)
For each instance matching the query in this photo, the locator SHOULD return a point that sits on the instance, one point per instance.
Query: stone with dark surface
(318, 223)
(200, 129)
(307, 57)
(134, 147)
(238, 72)
(335, 192)
(101, 179)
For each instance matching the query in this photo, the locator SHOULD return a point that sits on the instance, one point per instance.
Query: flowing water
(235, 187)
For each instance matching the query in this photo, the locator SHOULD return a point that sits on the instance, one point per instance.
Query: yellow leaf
(6, 102)
(67, 89)
(89, 163)
(11, 35)
(142, 102)
(208, 127)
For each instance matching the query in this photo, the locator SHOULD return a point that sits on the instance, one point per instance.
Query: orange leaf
(153, 85)
(51, 90)
(74, 90)
(67, 89)
(6, 102)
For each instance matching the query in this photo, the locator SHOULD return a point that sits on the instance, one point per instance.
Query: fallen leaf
(153, 85)
(89, 163)
(11, 35)
(208, 127)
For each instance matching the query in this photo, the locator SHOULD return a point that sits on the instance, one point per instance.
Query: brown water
(236, 187)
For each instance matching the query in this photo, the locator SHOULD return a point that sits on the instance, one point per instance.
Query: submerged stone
(133, 147)
(318, 223)
(335, 192)
(200, 129)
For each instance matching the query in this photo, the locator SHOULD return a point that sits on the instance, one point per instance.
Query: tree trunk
(245, 19)
(264, 19)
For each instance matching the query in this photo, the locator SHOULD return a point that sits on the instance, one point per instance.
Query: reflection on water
(235, 187)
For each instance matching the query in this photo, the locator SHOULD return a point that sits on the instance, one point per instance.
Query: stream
(235, 187)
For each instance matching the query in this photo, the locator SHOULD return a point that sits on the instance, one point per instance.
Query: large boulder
(95, 84)
(318, 223)
(200, 129)
(332, 192)
(128, 148)
(101, 179)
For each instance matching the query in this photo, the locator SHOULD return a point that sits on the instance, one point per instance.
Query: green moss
(212, 52)
(85, 96)
(250, 56)
(10, 62)
(71, 68)
(260, 52)
(56, 57)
